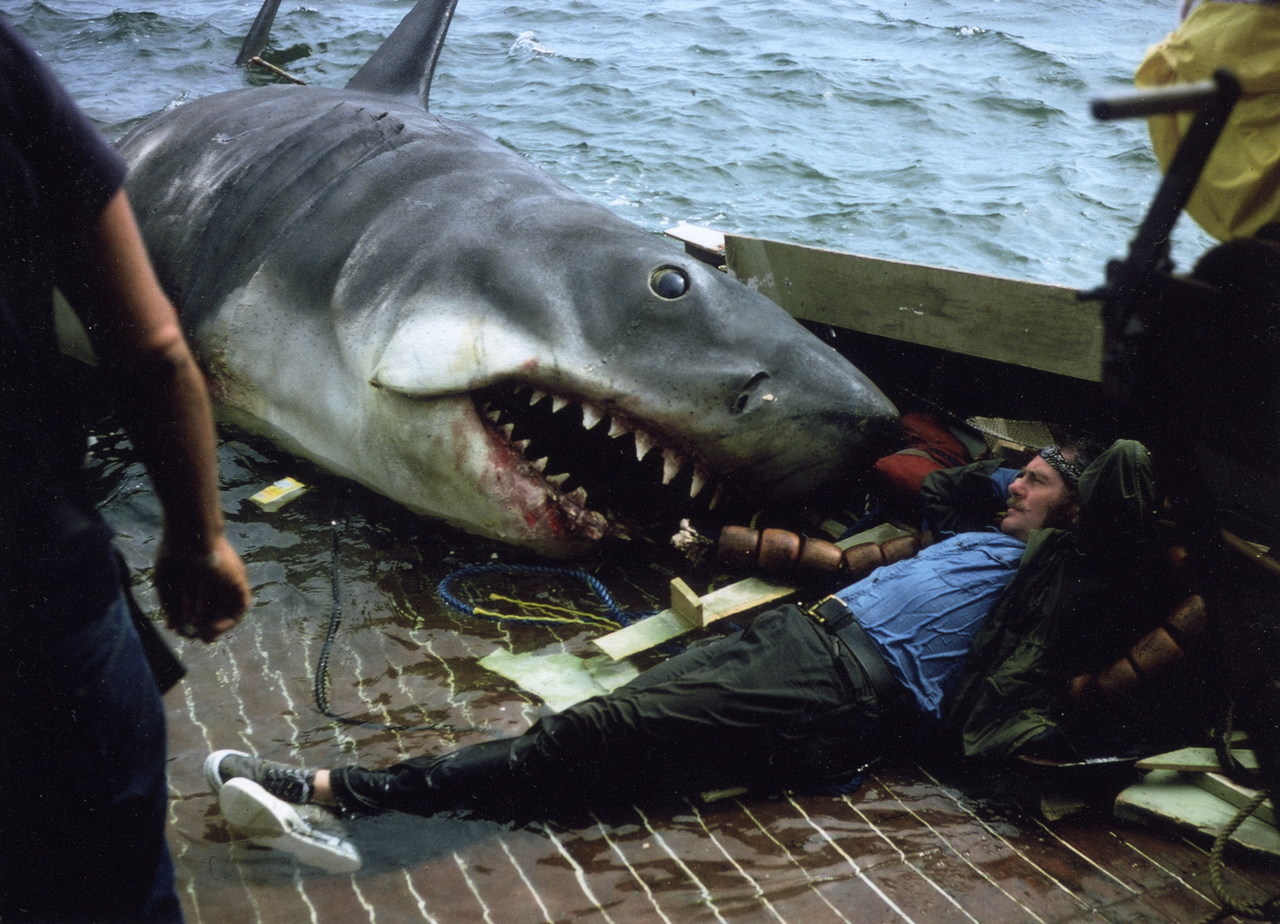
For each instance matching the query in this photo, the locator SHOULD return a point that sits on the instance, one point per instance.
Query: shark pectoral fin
(440, 353)
(429, 356)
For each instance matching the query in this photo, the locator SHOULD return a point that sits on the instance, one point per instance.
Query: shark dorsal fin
(405, 63)
(259, 32)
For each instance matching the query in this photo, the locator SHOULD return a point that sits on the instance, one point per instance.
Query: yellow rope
(548, 612)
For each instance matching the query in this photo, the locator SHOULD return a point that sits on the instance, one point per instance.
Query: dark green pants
(780, 704)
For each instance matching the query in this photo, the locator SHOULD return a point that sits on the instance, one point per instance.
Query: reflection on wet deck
(907, 846)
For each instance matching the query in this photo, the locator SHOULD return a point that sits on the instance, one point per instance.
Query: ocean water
(955, 134)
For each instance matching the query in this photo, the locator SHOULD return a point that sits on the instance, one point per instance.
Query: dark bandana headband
(1070, 470)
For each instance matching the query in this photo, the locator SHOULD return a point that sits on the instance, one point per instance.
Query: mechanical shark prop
(406, 302)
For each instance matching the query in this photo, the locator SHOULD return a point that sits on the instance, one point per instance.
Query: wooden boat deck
(908, 846)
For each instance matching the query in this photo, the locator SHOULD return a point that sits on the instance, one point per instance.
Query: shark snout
(809, 423)
(754, 392)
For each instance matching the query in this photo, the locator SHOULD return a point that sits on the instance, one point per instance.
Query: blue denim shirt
(923, 612)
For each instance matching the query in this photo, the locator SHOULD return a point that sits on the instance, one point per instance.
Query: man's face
(1037, 497)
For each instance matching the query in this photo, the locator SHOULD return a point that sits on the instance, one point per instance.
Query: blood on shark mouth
(598, 460)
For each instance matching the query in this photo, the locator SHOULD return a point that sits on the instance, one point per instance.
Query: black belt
(834, 616)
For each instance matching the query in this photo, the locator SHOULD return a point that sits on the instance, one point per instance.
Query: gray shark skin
(408, 303)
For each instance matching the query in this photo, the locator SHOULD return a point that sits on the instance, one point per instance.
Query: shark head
(632, 383)
(411, 304)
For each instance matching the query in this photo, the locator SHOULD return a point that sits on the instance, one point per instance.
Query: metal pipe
(1143, 103)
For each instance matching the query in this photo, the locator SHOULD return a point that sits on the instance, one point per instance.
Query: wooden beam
(700, 243)
(687, 604)
(1167, 797)
(1228, 790)
(1008, 320)
(689, 611)
(736, 598)
(1195, 760)
(706, 239)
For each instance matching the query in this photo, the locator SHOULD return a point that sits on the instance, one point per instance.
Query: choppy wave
(920, 130)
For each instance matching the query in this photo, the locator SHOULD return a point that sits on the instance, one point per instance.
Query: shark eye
(669, 282)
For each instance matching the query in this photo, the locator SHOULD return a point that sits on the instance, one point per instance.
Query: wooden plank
(1167, 797)
(687, 603)
(668, 624)
(1162, 872)
(558, 678)
(643, 635)
(1013, 321)
(701, 243)
(689, 612)
(695, 236)
(1228, 790)
(1195, 760)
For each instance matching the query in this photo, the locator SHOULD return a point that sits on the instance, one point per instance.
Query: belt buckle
(832, 612)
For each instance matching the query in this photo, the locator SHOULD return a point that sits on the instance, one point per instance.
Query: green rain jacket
(1080, 598)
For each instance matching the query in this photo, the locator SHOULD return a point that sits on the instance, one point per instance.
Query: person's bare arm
(162, 398)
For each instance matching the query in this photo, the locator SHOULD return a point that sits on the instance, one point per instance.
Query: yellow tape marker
(275, 496)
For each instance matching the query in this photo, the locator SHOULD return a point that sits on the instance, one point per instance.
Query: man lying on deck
(804, 698)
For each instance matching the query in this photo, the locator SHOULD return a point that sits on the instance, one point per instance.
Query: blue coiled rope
(617, 616)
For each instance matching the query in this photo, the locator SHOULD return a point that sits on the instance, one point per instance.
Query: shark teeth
(697, 484)
(671, 464)
(644, 444)
(568, 444)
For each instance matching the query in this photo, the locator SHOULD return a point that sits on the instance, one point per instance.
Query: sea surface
(955, 134)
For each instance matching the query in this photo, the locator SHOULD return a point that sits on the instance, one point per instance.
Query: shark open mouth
(599, 461)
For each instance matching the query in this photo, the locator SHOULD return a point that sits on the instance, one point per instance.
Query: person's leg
(764, 706)
(85, 800)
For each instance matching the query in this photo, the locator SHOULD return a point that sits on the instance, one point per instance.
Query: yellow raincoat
(1239, 190)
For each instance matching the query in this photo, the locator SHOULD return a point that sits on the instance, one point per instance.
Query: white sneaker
(270, 822)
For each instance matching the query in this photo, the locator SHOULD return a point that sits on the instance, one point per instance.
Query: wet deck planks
(907, 847)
